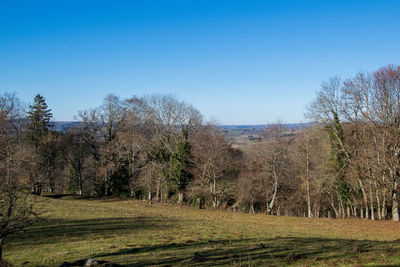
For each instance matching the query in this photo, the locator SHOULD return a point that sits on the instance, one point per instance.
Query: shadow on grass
(55, 196)
(274, 251)
(75, 197)
(55, 230)
(256, 251)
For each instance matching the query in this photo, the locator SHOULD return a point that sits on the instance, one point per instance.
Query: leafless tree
(361, 114)
(215, 166)
(251, 184)
(373, 106)
(273, 153)
(104, 121)
(311, 159)
(170, 122)
(16, 209)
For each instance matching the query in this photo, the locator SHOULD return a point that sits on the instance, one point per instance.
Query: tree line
(158, 148)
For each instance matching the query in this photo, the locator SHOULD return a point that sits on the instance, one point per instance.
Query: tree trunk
(317, 209)
(371, 203)
(252, 207)
(384, 206)
(132, 194)
(271, 204)
(1, 248)
(157, 197)
(395, 203)
(80, 183)
(334, 209)
(365, 199)
(198, 203)
(180, 198)
(308, 183)
(308, 199)
(395, 206)
(378, 203)
(149, 194)
(342, 209)
(213, 188)
(106, 188)
(355, 211)
(395, 210)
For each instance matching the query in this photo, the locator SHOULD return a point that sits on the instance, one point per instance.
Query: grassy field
(136, 233)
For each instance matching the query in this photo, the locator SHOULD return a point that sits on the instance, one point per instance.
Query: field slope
(136, 233)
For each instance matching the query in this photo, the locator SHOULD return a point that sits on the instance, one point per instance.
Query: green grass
(136, 233)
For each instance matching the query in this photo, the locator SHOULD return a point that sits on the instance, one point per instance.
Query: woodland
(346, 163)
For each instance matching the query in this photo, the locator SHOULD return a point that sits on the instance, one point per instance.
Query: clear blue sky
(240, 62)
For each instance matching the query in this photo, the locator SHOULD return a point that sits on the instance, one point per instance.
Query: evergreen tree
(38, 128)
(39, 120)
(178, 164)
(339, 159)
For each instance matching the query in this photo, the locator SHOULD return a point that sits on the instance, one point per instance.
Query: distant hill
(61, 126)
(293, 126)
(244, 135)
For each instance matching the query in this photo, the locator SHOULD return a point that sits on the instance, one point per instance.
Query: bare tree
(374, 99)
(104, 121)
(76, 151)
(311, 159)
(215, 166)
(361, 117)
(16, 210)
(170, 122)
(273, 154)
(251, 184)
(133, 142)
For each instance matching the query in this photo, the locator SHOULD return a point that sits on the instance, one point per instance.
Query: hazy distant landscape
(237, 134)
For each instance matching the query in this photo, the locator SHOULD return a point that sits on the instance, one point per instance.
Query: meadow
(140, 233)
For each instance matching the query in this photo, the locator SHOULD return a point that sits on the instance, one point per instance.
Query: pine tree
(179, 175)
(39, 120)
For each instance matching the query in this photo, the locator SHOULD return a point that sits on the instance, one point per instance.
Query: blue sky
(239, 62)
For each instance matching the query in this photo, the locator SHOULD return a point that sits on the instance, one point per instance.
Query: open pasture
(137, 233)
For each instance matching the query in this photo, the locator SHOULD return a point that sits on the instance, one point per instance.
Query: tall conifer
(39, 120)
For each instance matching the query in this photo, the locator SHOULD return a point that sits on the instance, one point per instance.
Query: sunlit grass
(135, 233)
